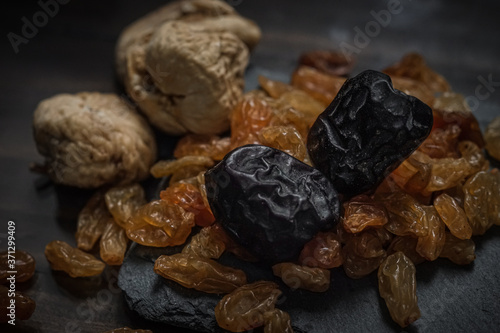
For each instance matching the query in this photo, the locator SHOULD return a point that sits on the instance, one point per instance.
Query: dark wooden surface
(73, 52)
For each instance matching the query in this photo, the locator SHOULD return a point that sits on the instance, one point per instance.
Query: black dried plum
(366, 132)
(270, 202)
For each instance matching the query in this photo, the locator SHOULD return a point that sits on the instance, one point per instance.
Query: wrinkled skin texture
(407, 216)
(324, 251)
(190, 199)
(361, 212)
(270, 202)
(186, 79)
(170, 167)
(397, 286)
(285, 138)
(123, 201)
(363, 253)
(199, 273)
(431, 245)
(211, 146)
(302, 277)
(413, 66)
(459, 251)
(244, 308)
(366, 132)
(92, 221)
(62, 257)
(481, 201)
(277, 321)
(442, 142)
(24, 266)
(407, 245)
(208, 243)
(453, 216)
(209, 14)
(321, 86)
(452, 109)
(113, 244)
(91, 139)
(160, 224)
(25, 306)
(492, 138)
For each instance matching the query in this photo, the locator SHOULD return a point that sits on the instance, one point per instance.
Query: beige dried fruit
(90, 139)
(184, 64)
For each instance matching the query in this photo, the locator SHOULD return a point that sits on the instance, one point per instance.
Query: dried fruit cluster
(429, 206)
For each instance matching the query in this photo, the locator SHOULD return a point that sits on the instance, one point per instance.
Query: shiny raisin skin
(366, 132)
(75, 262)
(324, 251)
(24, 305)
(123, 201)
(199, 273)
(277, 321)
(244, 308)
(397, 286)
(24, 266)
(303, 277)
(459, 251)
(91, 222)
(270, 202)
(190, 199)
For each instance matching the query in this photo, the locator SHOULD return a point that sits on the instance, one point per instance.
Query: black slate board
(442, 288)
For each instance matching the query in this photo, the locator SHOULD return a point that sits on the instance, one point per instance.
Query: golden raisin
(123, 201)
(208, 243)
(477, 206)
(199, 273)
(431, 245)
(324, 251)
(321, 86)
(113, 244)
(361, 211)
(362, 254)
(244, 308)
(397, 286)
(91, 222)
(277, 321)
(413, 66)
(211, 146)
(160, 224)
(453, 216)
(285, 138)
(303, 277)
(407, 245)
(459, 251)
(190, 199)
(62, 257)
(171, 167)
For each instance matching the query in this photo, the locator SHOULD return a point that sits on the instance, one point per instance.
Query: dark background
(73, 52)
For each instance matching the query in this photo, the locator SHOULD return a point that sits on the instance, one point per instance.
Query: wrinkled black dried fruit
(366, 132)
(270, 202)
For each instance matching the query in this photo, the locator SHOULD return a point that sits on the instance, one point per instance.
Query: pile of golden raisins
(429, 207)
